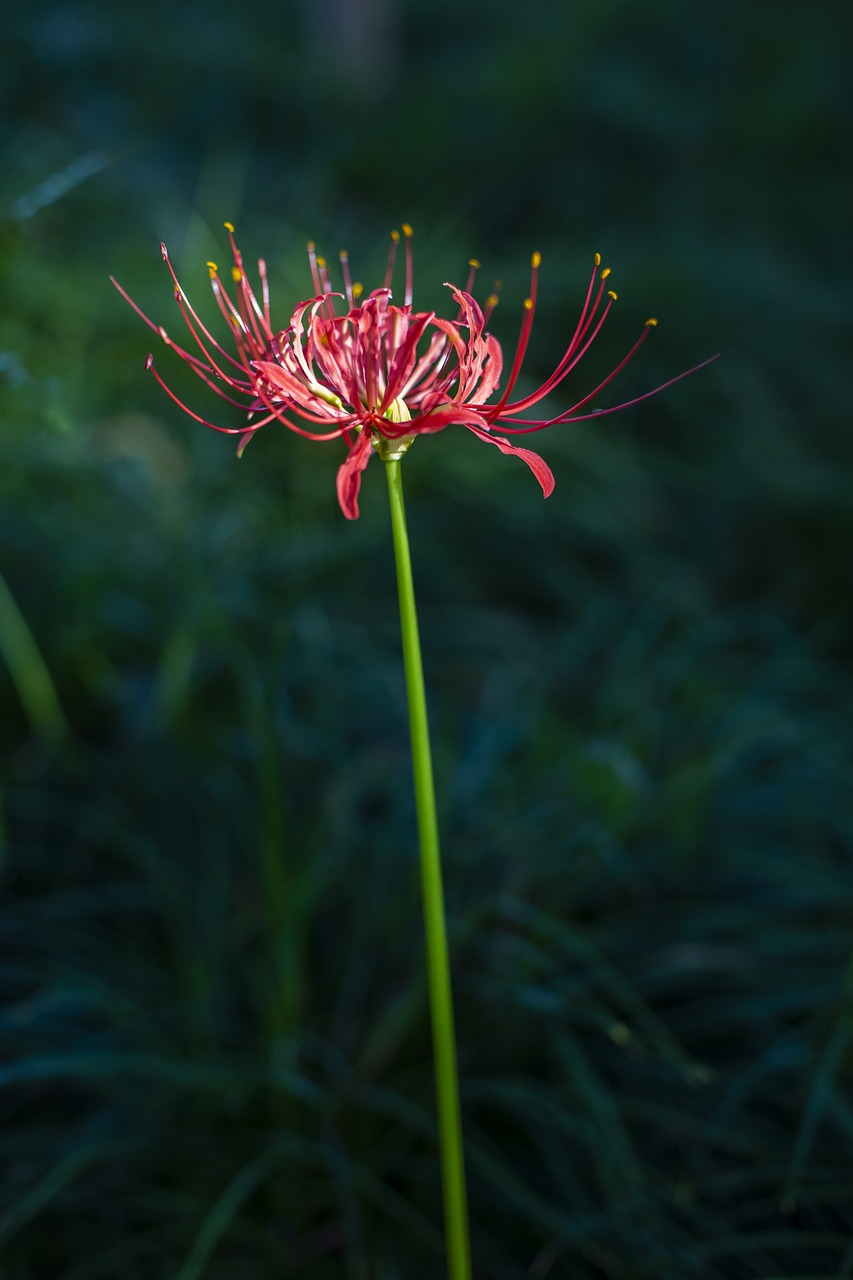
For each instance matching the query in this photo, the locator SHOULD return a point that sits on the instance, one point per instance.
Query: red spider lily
(380, 374)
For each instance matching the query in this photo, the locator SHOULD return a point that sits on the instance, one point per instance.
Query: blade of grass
(29, 671)
(224, 1211)
(821, 1091)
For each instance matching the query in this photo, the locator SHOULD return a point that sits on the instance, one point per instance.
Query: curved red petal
(349, 475)
(537, 465)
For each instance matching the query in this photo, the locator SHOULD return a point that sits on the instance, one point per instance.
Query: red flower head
(378, 375)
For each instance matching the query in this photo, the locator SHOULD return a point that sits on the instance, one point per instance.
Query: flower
(378, 375)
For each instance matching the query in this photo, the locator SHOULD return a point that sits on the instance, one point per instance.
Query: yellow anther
(321, 263)
(492, 301)
(651, 322)
(606, 272)
(212, 268)
(612, 295)
(357, 291)
(535, 260)
(343, 255)
(597, 259)
(229, 226)
(472, 262)
(236, 275)
(311, 246)
(528, 304)
(395, 236)
(407, 230)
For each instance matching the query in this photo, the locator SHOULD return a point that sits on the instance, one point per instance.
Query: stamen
(265, 290)
(392, 254)
(568, 415)
(248, 304)
(191, 360)
(312, 259)
(229, 312)
(612, 295)
(192, 320)
(597, 259)
(606, 272)
(572, 416)
(248, 312)
(535, 263)
(187, 309)
(581, 341)
(651, 322)
(523, 338)
(408, 233)
(344, 257)
(228, 431)
(325, 286)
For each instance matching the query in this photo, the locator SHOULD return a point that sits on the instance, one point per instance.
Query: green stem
(438, 964)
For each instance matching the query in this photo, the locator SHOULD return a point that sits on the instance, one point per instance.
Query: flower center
(392, 450)
(398, 411)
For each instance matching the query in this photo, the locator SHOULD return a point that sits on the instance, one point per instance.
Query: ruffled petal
(537, 465)
(349, 474)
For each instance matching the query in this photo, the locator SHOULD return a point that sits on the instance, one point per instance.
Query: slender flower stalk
(381, 372)
(438, 962)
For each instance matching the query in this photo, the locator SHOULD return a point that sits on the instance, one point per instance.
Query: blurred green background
(214, 1054)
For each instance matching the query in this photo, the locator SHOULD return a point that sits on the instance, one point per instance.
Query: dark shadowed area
(214, 1042)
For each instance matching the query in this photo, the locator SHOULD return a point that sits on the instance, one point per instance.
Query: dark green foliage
(214, 1049)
